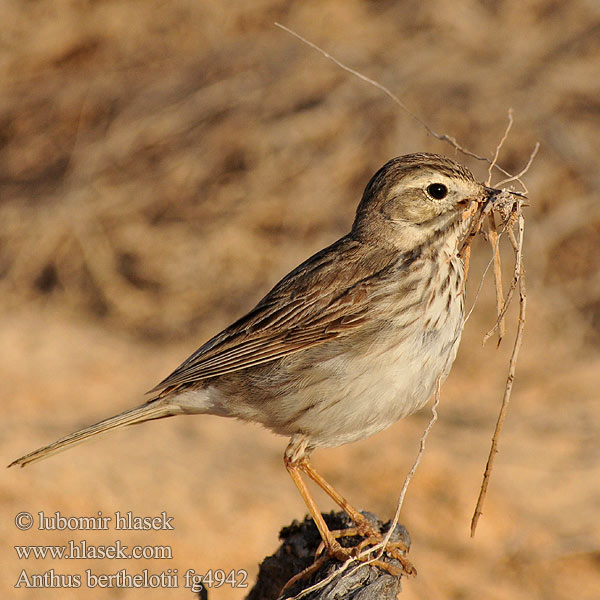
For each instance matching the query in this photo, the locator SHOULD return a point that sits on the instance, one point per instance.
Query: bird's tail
(155, 409)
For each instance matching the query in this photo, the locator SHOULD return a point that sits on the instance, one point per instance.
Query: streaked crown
(415, 192)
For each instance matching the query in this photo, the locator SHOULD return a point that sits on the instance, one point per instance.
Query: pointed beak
(493, 193)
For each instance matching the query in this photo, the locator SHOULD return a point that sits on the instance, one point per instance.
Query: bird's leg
(331, 544)
(296, 462)
(363, 526)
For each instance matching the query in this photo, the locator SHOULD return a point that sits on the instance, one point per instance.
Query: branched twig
(499, 147)
(518, 176)
(508, 388)
(518, 245)
(487, 268)
(442, 137)
(494, 239)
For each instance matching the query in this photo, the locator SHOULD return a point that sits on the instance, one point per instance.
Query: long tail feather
(155, 409)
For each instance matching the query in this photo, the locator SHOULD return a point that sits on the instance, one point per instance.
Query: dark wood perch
(297, 551)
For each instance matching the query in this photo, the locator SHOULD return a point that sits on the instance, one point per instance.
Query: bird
(352, 340)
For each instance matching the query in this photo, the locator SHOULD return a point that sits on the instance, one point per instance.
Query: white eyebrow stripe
(425, 179)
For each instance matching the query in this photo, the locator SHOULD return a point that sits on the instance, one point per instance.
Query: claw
(394, 549)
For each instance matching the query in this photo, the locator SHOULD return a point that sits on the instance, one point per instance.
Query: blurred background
(163, 164)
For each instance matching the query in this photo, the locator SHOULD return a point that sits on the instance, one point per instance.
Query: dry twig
(516, 274)
(494, 239)
(434, 417)
(509, 383)
(499, 147)
(442, 137)
(492, 234)
(520, 174)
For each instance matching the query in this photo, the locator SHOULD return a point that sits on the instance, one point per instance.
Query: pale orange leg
(331, 544)
(296, 461)
(363, 525)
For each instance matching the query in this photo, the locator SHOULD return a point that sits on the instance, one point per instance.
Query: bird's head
(412, 196)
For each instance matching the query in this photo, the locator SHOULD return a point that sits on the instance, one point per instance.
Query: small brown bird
(350, 341)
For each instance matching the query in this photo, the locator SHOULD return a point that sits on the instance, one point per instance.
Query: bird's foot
(395, 549)
(392, 560)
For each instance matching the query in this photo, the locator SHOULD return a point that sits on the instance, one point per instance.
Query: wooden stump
(297, 552)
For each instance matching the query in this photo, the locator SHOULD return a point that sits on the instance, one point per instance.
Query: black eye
(437, 190)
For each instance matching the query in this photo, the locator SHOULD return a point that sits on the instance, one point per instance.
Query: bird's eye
(437, 190)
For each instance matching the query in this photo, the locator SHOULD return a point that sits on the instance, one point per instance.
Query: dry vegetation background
(163, 164)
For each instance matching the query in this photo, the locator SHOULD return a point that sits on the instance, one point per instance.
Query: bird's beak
(493, 193)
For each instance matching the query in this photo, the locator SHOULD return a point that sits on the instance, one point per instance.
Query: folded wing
(323, 298)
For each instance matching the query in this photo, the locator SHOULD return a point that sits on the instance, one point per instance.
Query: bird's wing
(325, 297)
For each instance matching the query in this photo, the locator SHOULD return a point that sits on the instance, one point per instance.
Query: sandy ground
(163, 164)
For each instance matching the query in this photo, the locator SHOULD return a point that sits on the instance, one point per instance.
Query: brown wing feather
(316, 302)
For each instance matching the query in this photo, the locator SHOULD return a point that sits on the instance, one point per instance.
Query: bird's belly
(355, 395)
